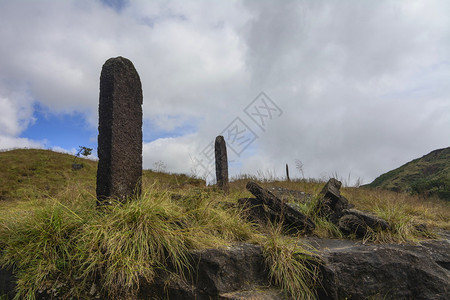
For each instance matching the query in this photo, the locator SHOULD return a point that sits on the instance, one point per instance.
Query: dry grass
(56, 239)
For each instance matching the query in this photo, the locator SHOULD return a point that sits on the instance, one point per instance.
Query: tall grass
(61, 245)
(65, 248)
(292, 266)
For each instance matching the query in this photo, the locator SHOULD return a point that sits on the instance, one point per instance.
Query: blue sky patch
(63, 130)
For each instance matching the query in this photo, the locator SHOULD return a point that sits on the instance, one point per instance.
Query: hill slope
(428, 175)
(37, 173)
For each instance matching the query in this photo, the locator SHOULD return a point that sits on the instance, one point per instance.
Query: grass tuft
(67, 248)
(292, 266)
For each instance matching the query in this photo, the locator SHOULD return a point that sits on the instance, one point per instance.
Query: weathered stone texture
(120, 131)
(221, 163)
(288, 213)
(331, 203)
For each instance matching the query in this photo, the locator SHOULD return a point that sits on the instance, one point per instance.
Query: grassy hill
(37, 173)
(55, 239)
(427, 176)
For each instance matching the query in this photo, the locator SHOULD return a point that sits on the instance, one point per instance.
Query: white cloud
(8, 142)
(16, 112)
(175, 153)
(363, 85)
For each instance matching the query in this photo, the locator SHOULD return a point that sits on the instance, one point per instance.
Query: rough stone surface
(331, 203)
(287, 212)
(220, 149)
(224, 270)
(370, 220)
(351, 224)
(120, 131)
(258, 294)
(386, 271)
(358, 222)
(7, 283)
(255, 209)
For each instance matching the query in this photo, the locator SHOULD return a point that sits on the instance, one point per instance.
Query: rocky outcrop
(387, 271)
(349, 270)
(287, 213)
(337, 209)
(229, 273)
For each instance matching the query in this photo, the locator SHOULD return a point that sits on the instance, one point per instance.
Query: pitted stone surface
(120, 131)
(221, 163)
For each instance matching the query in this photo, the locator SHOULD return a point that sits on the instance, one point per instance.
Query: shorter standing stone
(221, 164)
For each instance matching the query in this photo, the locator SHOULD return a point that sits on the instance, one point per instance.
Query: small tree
(85, 151)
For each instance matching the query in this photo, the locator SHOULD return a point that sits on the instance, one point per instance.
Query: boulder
(254, 209)
(386, 271)
(287, 213)
(352, 224)
(224, 273)
(358, 222)
(231, 269)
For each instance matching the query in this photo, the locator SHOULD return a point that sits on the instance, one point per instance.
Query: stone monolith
(120, 132)
(221, 163)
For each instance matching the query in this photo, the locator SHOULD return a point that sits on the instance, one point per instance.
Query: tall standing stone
(221, 164)
(120, 131)
(287, 173)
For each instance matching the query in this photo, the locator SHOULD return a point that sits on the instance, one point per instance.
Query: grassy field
(53, 236)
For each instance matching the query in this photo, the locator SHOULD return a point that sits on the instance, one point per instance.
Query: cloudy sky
(346, 87)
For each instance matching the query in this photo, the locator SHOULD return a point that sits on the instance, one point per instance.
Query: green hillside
(37, 174)
(427, 176)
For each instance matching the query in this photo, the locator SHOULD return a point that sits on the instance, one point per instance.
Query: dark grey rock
(220, 149)
(287, 213)
(331, 202)
(120, 131)
(7, 283)
(352, 224)
(77, 166)
(366, 219)
(225, 270)
(254, 209)
(217, 274)
(256, 294)
(386, 272)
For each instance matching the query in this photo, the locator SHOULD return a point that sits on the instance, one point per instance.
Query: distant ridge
(428, 176)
